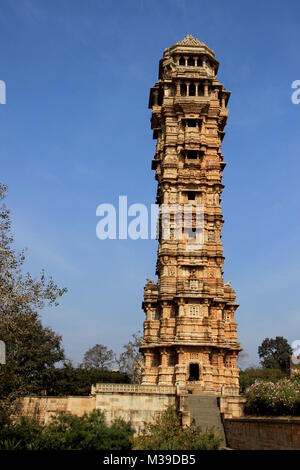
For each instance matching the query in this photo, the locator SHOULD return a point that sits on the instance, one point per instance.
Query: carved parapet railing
(133, 389)
(230, 391)
(184, 287)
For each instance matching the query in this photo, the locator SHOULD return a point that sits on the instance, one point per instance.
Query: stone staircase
(205, 412)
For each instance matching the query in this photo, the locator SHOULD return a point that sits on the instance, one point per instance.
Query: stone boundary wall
(43, 408)
(254, 433)
(139, 404)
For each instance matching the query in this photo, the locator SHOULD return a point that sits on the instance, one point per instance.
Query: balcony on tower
(191, 131)
(192, 158)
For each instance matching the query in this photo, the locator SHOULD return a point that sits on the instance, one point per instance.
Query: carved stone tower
(190, 337)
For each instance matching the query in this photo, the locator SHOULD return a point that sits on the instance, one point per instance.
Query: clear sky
(75, 133)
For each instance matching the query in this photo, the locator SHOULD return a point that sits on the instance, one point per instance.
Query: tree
(99, 356)
(31, 349)
(275, 353)
(69, 380)
(131, 360)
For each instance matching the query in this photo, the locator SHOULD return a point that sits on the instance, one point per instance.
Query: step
(204, 411)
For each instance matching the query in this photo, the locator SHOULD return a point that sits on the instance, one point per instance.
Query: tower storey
(190, 337)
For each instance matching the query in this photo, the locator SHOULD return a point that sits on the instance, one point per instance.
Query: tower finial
(190, 41)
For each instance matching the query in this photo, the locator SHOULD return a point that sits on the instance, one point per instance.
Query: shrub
(268, 398)
(26, 434)
(251, 374)
(66, 432)
(166, 433)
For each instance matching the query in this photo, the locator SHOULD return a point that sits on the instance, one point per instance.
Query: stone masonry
(190, 336)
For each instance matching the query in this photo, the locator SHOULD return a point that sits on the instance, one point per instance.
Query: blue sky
(75, 133)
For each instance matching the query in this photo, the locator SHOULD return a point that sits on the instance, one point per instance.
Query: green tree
(131, 360)
(167, 433)
(31, 348)
(32, 352)
(275, 353)
(99, 356)
(69, 380)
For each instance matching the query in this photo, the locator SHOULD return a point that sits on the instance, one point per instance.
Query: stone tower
(190, 337)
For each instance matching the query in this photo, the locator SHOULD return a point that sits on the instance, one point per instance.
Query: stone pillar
(155, 94)
(196, 86)
(180, 368)
(178, 88)
(148, 312)
(165, 376)
(164, 358)
(181, 356)
(148, 359)
(147, 374)
(223, 101)
(165, 310)
(207, 370)
(181, 308)
(188, 88)
(206, 88)
(202, 130)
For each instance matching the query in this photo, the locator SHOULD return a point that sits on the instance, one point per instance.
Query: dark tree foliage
(275, 353)
(69, 380)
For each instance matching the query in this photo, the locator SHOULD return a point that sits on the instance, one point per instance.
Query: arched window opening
(192, 90)
(192, 122)
(183, 89)
(191, 195)
(201, 89)
(194, 373)
(192, 154)
(160, 96)
(172, 91)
